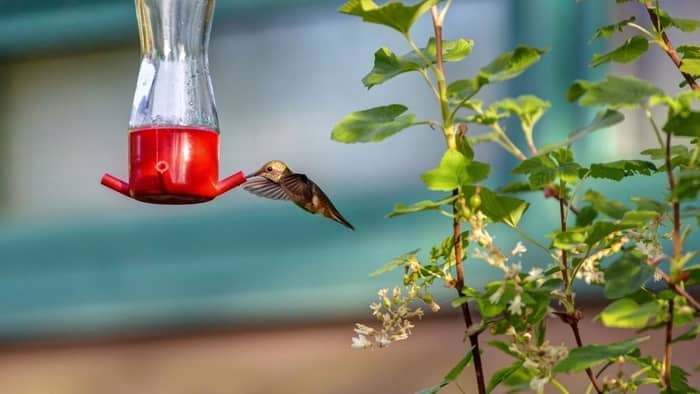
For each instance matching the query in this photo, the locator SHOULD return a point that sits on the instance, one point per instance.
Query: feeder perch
(174, 128)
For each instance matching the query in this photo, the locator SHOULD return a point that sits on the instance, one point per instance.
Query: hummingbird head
(272, 170)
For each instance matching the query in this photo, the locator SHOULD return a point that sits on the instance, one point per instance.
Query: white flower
(364, 330)
(434, 306)
(530, 364)
(383, 341)
(360, 342)
(515, 269)
(518, 249)
(516, 306)
(534, 275)
(537, 384)
(496, 296)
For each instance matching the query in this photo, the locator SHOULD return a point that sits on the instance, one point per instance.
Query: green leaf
(397, 262)
(601, 229)
(633, 48)
(544, 169)
(682, 24)
(691, 66)
(626, 275)
(688, 185)
(614, 92)
(569, 239)
(586, 216)
(689, 335)
(393, 14)
(387, 64)
(613, 208)
(689, 51)
(528, 108)
(587, 356)
(372, 125)
(420, 206)
(639, 218)
(452, 375)
(515, 187)
(454, 171)
(463, 88)
(503, 374)
(617, 170)
(510, 64)
(499, 208)
(693, 273)
(685, 124)
(607, 31)
(626, 313)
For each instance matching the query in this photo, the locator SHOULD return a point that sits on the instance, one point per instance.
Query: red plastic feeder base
(173, 165)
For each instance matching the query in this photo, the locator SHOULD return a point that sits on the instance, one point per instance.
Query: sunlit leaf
(626, 313)
(614, 92)
(393, 14)
(499, 208)
(388, 64)
(510, 64)
(587, 356)
(454, 171)
(372, 125)
(601, 229)
(691, 66)
(397, 262)
(424, 205)
(546, 168)
(528, 108)
(633, 48)
(607, 31)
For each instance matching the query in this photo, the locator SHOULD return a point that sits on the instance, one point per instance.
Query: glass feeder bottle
(174, 128)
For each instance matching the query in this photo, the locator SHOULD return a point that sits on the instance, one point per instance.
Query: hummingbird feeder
(174, 128)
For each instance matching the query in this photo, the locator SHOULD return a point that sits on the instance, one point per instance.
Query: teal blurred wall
(77, 259)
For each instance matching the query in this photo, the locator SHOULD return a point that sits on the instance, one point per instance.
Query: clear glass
(173, 87)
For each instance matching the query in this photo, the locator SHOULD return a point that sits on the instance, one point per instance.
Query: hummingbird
(276, 181)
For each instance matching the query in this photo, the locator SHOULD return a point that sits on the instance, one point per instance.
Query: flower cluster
(537, 359)
(487, 250)
(394, 314)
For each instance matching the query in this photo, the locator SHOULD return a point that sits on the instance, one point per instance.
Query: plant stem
(573, 316)
(667, 346)
(676, 287)
(450, 138)
(468, 322)
(667, 47)
(559, 386)
(676, 256)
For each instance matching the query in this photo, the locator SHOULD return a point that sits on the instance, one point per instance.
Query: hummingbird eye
(269, 169)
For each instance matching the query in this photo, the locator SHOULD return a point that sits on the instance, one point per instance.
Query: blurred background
(102, 294)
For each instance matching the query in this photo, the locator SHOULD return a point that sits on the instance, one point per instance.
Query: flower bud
(474, 201)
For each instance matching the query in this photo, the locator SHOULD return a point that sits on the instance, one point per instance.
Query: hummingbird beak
(252, 174)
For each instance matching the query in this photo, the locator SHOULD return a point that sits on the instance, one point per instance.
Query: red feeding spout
(173, 165)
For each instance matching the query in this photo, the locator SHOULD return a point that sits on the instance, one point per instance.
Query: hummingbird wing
(298, 187)
(263, 187)
(305, 193)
